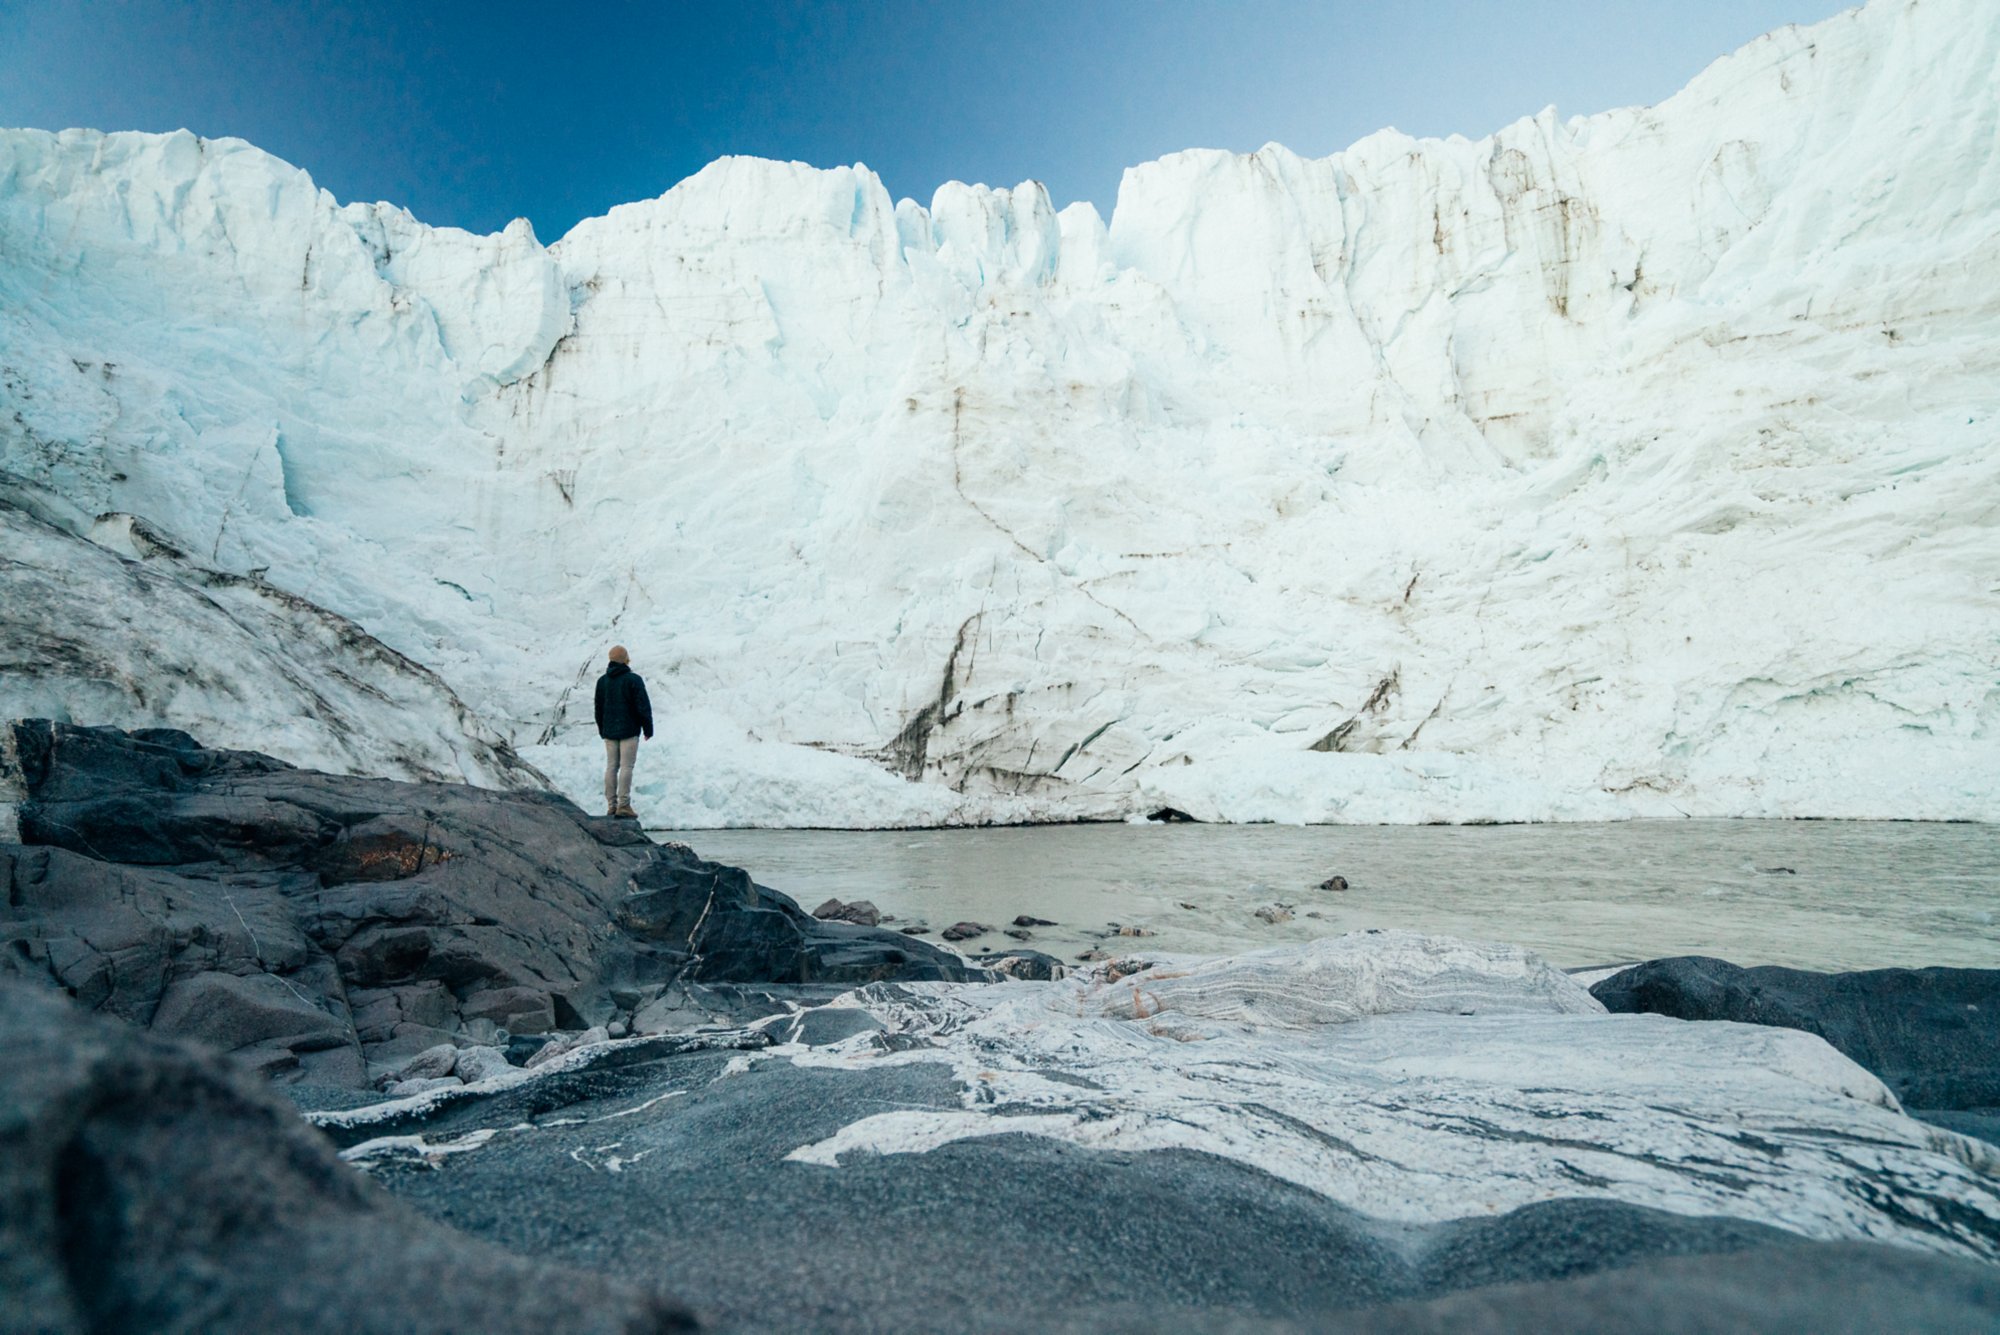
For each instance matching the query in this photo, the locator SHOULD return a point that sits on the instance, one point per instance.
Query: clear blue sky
(472, 112)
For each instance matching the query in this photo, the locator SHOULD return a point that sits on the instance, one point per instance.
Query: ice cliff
(1635, 464)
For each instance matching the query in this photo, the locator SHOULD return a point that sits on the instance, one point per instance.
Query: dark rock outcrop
(147, 1185)
(1931, 1035)
(327, 928)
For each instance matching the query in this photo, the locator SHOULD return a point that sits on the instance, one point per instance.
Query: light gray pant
(619, 758)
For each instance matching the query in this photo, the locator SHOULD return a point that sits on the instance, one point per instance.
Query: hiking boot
(624, 810)
(611, 809)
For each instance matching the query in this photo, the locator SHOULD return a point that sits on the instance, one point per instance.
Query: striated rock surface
(921, 1147)
(326, 928)
(1401, 1107)
(1337, 979)
(146, 1185)
(1932, 1035)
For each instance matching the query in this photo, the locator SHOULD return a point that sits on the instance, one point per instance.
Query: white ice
(1635, 464)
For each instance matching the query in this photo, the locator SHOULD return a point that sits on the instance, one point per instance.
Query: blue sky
(474, 113)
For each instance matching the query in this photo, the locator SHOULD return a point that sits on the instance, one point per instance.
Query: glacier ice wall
(1635, 464)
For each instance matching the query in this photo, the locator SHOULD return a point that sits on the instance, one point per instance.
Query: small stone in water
(861, 912)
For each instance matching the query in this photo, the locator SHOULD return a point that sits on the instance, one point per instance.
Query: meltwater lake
(1828, 895)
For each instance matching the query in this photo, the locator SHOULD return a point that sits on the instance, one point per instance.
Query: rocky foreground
(557, 1078)
(326, 930)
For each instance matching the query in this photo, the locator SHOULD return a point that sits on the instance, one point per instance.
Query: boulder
(965, 931)
(478, 1063)
(1028, 920)
(146, 1184)
(228, 1010)
(861, 911)
(1931, 1035)
(431, 1063)
(719, 926)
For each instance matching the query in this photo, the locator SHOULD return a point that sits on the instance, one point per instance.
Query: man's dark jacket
(622, 707)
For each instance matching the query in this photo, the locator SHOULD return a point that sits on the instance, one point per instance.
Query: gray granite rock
(1834, 1288)
(147, 1185)
(477, 1063)
(716, 925)
(431, 1063)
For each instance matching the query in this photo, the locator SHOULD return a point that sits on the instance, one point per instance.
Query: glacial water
(1810, 894)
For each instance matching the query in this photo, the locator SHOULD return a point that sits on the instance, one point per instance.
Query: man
(623, 712)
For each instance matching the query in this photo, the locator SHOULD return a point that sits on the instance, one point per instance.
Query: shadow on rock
(145, 1185)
